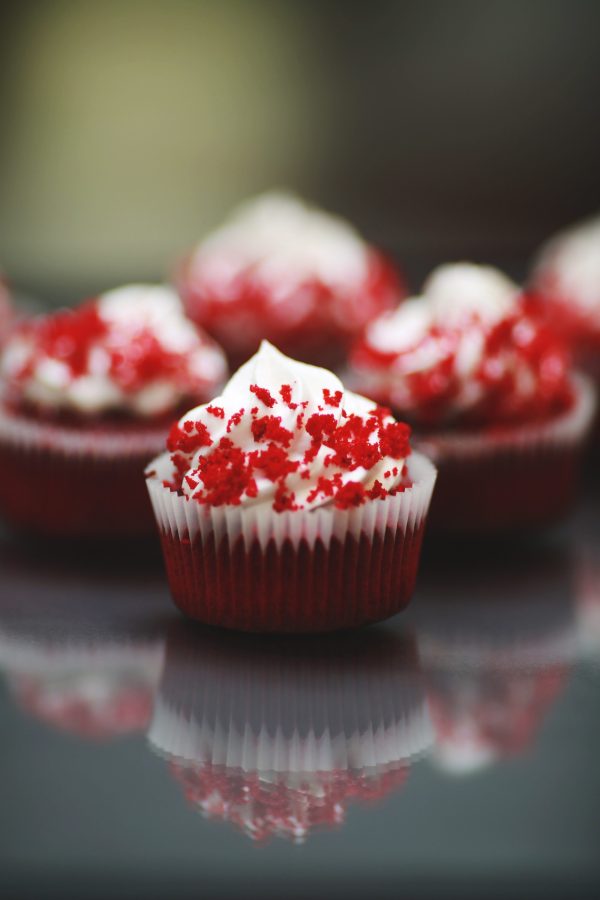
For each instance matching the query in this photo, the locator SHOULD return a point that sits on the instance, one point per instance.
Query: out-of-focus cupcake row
(285, 469)
(281, 737)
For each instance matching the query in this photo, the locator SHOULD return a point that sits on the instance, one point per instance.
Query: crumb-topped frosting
(131, 349)
(568, 271)
(280, 260)
(467, 351)
(288, 434)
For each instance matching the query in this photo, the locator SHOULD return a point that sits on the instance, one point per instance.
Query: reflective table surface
(450, 751)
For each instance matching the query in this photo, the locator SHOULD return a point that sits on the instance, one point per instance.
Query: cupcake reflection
(278, 737)
(82, 656)
(496, 652)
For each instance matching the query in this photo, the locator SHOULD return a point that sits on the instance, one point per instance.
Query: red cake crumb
(273, 462)
(263, 395)
(284, 501)
(286, 393)
(216, 411)
(226, 475)
(351, 494)
(269, 428)
(235, 419)
(185, 441)
(332, 399)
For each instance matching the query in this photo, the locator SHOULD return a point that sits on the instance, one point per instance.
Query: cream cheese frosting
(130, 349)
(283, 242)
(465, 342)
(288, 434)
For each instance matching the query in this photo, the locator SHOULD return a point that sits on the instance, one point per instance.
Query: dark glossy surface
(463, 735)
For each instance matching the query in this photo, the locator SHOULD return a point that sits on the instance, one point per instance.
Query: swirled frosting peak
(287, 434)
(129, 349)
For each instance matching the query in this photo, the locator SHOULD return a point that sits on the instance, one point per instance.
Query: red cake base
(65, 480)
(293, 588)
(510, 478)
(504, 490)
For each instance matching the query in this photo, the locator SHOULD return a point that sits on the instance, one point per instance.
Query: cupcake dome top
(288, 434)
(281, 269)
(131, 349)
(468, 351)
(568, 270)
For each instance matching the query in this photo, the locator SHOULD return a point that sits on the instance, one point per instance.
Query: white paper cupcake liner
(186, 519)
(44, 437)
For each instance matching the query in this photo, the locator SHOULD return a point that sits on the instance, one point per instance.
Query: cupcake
(284, 271)
(497, 641)
(566, 283)
(289, 503)
(488, 389)
(277, 738)
(87, 399)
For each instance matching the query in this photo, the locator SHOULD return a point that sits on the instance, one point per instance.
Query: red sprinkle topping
(286, 393)
(226, 474)
(263, 395)
(269, 428)
(332, 399)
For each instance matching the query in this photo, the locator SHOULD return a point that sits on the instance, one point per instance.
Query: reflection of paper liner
(277, 738)
(93, 689)
(520, 476)
(256, 570)
(588, 602)
(62, 480)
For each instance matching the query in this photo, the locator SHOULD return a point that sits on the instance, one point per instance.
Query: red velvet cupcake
(488, 389)
(294, 275)
(86, 401)
(277, 739)
(290, 504)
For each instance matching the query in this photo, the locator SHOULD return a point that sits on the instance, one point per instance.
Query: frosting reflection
(497, 639)
(278, 736)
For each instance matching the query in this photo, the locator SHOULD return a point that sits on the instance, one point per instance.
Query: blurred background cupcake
(88, 396)
(497, 640)
(285, 271)
(278, 737)
(489, 390)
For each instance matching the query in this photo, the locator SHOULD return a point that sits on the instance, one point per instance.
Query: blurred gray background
(443, 129)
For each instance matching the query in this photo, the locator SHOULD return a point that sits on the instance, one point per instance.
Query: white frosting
(458, 292)
(569, 266)
(127, 312)
(283, 243)
(270, 369)
(459, 303)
